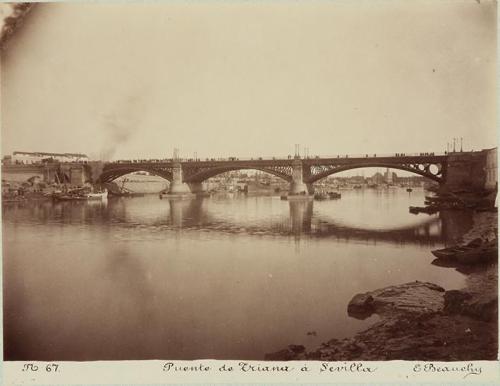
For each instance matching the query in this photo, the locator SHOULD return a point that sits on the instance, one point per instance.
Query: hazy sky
(250, 78)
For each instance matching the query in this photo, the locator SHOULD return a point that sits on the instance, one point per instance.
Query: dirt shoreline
(422, 321)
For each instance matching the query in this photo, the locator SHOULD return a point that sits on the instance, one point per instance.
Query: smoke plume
(119, 125)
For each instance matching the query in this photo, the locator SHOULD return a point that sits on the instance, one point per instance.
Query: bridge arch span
(200, 176)
(423, 171)
(114, 173)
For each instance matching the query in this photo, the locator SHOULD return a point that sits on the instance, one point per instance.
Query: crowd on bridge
(420, 154)
(163, 160)
(168, 160)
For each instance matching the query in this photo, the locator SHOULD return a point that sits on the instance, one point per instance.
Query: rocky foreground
(422, 321)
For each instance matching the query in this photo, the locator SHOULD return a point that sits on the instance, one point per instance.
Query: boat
(68, 197)
(13, 199)
(97, 196)
(334, 195)
(409, 190)
(320, 196)
(441, 198)
(423, 209)
(470, 253)
(299, 197)
(125, 194)
(450, 253)
(284, 197)
(80, 194)
(482, 253)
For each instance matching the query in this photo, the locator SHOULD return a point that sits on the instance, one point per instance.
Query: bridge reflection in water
(290, 218)
(446, 227)
(225, 277)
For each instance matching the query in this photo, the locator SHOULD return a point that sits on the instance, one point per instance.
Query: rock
(288, 354)
(296, 348)
(454, 301)
(361, 306)
(316, 355)
(415, 298)
(482, 307)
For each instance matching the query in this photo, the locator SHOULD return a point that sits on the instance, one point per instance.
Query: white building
(25, 157)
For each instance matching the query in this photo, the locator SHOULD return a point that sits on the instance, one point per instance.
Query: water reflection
(239, 214)
(220, 277)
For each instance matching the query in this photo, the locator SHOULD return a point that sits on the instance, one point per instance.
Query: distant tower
(388, 176)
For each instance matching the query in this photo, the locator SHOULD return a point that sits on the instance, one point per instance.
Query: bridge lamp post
(454, 139)
(461, 139)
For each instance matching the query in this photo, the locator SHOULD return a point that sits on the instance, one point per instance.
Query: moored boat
(80, 195)
(97, 196)
(13, 199)
(423, 209)
(469, 254)
(125, 194)
(320, 196)
(451, 252)
(476, 255)
(299, 197)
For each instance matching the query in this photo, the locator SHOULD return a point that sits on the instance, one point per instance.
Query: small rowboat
(452, 252)
(468, 254)
(80, 196)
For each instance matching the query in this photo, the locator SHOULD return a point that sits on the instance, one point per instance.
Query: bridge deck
(336, 160)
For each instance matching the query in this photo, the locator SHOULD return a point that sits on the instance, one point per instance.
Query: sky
(249, 79)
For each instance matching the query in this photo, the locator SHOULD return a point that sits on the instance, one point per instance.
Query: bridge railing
(377, 155)
(289, 157)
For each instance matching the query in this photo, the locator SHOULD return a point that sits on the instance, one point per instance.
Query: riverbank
(422, 321)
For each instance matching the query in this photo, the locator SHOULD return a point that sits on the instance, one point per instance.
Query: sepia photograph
(249, 181)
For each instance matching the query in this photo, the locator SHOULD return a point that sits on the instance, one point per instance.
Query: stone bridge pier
(177, 186)
(297, 185)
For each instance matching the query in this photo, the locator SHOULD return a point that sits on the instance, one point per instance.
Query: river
(222, 277)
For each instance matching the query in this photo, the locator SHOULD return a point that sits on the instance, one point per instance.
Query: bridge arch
(202, 175)
(422, 170)
(113, 173)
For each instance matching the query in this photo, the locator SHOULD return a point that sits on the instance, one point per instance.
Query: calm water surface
(225, 277)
